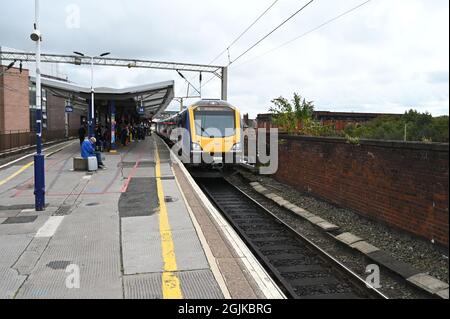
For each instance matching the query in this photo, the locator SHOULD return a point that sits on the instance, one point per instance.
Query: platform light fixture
(91, 116)
(39, 164)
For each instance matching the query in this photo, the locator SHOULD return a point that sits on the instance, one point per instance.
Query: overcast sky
(387, 56)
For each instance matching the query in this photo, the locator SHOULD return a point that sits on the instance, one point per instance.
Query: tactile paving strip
(197, 284)
(20, 219)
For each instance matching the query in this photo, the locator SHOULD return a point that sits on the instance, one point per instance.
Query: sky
(387, 56)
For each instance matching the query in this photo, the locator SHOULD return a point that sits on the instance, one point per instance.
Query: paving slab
(271, 195)
(428, 283)
(260, 189)
(316, 220)
(328, 226)
(305, 214)
(289, 206)
(348, 238)
(280, 201)
(32, 212)
(364, 247)
(443, 294)
(9, 213)
(141, 245)
(10, 281)
(31, 255)
(11, 247)
(399, 267)
(89, 239)
(177, 212)
(139, 171)
(188, 250)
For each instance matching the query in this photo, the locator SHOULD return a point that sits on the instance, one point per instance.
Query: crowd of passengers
(125, 133)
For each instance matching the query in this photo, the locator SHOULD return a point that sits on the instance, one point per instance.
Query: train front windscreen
(214, 122)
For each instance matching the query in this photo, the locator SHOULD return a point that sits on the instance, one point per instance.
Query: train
(207, 133)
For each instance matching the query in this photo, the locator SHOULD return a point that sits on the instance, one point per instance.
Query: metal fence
(11, 140)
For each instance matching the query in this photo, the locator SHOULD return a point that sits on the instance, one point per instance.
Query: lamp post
(39, 171)
(91, 114)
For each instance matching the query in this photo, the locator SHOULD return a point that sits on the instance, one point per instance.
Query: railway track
(301, 268)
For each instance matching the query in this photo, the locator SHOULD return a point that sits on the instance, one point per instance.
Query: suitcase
(92, 163)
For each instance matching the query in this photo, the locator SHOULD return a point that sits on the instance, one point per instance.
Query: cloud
(387, 56)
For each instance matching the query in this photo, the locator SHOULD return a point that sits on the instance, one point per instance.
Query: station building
(65, 106)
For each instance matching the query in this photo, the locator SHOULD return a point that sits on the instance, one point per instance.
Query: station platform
(139, 229)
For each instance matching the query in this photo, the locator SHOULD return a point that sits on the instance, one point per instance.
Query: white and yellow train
(208, 133)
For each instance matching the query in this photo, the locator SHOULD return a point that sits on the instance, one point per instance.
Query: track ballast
(301, 269)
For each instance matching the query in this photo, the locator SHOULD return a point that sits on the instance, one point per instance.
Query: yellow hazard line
(24, 167)
(170, 282)
(20, 170)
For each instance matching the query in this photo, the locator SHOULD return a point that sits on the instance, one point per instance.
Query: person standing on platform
(82, 132)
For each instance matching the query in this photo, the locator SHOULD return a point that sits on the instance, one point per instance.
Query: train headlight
(196, 147)
(237, 147)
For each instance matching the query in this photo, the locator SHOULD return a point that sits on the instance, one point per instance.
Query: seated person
(88, 149)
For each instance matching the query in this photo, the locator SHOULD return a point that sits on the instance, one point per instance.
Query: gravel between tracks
(418, 253)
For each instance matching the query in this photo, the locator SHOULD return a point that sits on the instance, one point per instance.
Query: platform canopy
(154, 97)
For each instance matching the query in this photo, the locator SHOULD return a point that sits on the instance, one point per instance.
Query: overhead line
(263, 38)
(244, 32)
(308, 32)
(273, 30)
(237, 39)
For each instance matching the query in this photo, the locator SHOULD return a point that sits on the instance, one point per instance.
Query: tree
(292, 117)
(418, 127)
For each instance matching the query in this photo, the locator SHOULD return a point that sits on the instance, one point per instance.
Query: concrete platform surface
(123, 232)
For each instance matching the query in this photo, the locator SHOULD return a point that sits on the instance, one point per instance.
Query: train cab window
(212, 123)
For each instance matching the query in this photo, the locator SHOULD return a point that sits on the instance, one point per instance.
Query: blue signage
(69, 109)
(141, 110)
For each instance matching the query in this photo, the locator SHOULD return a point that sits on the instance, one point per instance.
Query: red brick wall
(2, 99)
(14, 100)
(55, 112)
(402, 184)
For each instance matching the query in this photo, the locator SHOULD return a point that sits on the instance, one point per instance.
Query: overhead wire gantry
(220, 71)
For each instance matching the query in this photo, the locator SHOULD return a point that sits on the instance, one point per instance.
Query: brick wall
(402, 184)
(14, 101)
(55, 112)
(2, 98)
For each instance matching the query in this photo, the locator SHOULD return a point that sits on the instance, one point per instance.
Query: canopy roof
(155, 97)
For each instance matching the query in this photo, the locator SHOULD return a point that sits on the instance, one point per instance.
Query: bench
(80, 164)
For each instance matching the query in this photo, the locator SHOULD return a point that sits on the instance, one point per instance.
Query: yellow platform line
(20, 170)
(170, 282)
(24, 167)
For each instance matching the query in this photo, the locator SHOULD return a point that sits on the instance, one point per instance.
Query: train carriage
(208, 133)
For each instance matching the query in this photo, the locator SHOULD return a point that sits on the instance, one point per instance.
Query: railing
(16, 139)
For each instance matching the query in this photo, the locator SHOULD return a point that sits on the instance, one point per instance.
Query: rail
(301, 268)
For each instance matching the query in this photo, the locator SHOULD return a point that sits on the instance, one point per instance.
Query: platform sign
(141, 110)
(69, 109)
